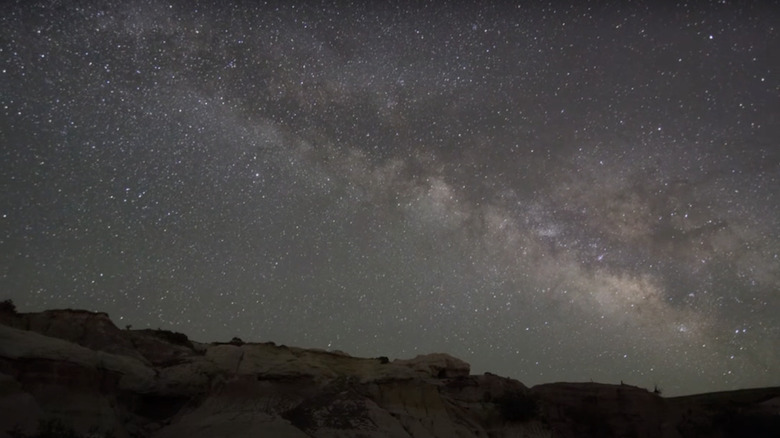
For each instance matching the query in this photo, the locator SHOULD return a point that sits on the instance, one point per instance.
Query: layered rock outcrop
(77, 368)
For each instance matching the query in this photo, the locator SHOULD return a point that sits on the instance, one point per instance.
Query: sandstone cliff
(77, 370)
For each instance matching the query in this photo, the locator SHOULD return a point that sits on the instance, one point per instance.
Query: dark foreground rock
(74, 373)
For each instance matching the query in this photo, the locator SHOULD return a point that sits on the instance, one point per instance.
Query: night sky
(547, 192)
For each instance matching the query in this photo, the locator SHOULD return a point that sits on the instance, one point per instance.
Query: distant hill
(73, 373)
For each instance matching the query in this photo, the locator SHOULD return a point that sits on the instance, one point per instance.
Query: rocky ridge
(76, 367)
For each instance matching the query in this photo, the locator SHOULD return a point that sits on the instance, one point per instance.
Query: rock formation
(74, 373)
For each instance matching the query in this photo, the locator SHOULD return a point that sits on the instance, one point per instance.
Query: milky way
(549, 193)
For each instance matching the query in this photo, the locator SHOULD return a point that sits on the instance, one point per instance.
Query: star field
(548, 192)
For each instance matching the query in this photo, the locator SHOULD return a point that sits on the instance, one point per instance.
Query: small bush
(8, 306)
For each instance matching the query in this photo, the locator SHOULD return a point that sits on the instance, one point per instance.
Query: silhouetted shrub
(236, 341)
(8, 306)
(383, 360)
(518, 406)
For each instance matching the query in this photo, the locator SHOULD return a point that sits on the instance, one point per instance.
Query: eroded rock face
(592, 409)
(78, 367)
(19, 407)
(93, 330)
(437, 365)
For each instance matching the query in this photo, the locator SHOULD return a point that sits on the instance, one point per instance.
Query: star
(559, 192)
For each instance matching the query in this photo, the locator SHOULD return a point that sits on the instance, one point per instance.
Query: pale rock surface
(66, 380)
(77, 367)
(234, 424)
